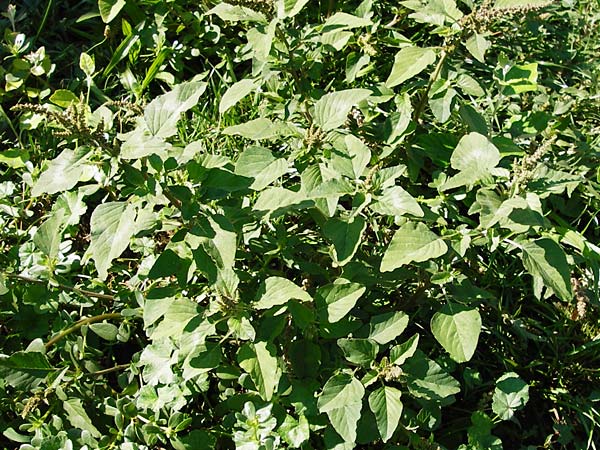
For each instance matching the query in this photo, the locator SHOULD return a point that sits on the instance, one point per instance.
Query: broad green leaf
(359, 351)
(262, 128)
(289, 8)
(278, 200)
(63, 98)
(457, 329)
(475, 156)
(427, 379)
(386, 405)
(413, 242)
(162, 113)
(346, 236)
(440, 101)
(510, 395)
(519, 79)
(179, 313)
(341, 400)
(408, 62)
(78, 417)
(112, 226)
(434, 12)
(49, 235)
(395, 201)
(338, 299)
(359, 153)
(277, 291)
(105, 330)
(156, 360)
(344, 21)
(24, 370)
(477, 45)
(257, 360)
(203, 358)
(294, 432)
(140, 143)
(235, 13)
(260, 164)
(386, 327)
(332, 109)
(109, 9)
(545, 259)
(398, 121)
(400, 353)
(63, 173)
(235, 93)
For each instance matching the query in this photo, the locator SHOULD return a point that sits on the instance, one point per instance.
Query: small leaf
(395, 201)
(235, 93)
(408, 62)
(346, 236)
(332, 109)
(49, 235)
(545, 259)
(109, 9)
(510, 395)
(258, 361)
(112, 225)
(107, 331)
(341, 400)
(87, 64)
(387, 407)
(413, 242)
(457, 329)
(277, 291)
(260, 164)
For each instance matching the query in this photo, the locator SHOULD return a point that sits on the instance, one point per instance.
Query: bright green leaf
(457, 329)
(332, 109)
(235, 93)
(258, 360)
(510, 395)
(408, 62)
(386, 327)
(338, 299)
(346, 236)
(386, 405)
(109, 9)
(277, 291)
(359, 351)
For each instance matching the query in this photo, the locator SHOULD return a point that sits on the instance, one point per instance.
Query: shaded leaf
(257, 359)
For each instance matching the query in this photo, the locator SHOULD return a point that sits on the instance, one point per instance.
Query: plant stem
(432, 79)
(109, 370)
(64, 287)
(79, 324)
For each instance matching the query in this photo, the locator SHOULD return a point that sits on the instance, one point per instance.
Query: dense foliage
(287, 224)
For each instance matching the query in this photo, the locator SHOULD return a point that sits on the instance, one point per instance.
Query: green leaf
(87, 64)
(457, 329)
(257, 359)
(49, 235)
(519, 79)
(235, 93)
(78, 417)
(235, 13)
(24, 370)
(408, 62)
(63, 98)
(413, 242)
(426, 378)
(341, 400)
(112, 226)
(277, 291)
(278, 200)
(387, 407)
(294, 432)
(262, 128)
(109, 9)
(510, 395)
(338, 299)
(344, 21)
(260, 164)
(545, 259)
(395, 201)
(346, 236)
(157, 359)
(400, 353)
(162, 114)
(386, 327)
(63, 173)
(477, 45)
(359, 351)
(107, 331)
(332, 109)
(475, 156)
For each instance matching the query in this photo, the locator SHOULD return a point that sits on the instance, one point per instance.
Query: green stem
(79, 324)
(434, 76)
(63, 287)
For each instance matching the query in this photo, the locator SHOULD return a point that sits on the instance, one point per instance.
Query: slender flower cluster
(266, 7)
(582, 300)
(524, 171)
(480, 19)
